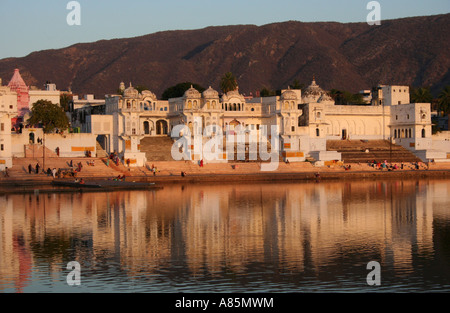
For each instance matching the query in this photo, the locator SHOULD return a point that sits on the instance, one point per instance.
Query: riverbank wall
(170, 172)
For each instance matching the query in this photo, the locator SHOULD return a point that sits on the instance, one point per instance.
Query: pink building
(18, 85)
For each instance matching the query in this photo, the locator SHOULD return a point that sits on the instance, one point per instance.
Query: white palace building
(305, 121)
(296, 125)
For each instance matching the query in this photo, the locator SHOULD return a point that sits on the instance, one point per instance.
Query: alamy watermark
(74, 277)
(374, 277)
(74, 16)
(207, 144)
(374, 17)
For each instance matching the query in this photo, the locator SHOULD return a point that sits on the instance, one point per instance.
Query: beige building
(8, 110)
(304, 120)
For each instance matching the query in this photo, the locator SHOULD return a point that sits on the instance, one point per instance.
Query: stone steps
(354, 151)
(36, 150)
(20, 167)
(101, 153)
(157, 148)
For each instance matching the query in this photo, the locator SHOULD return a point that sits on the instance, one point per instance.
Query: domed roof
(325, 98)
(233, 94)
(313, 93)
(192, 93)
(148, 94)
(131, 92)
(289, 95)
(210, 93)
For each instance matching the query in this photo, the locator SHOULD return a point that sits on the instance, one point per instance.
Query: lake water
(273, 237)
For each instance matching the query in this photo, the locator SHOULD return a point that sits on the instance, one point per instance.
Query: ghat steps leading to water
(20, 167)
(363, 151)
(157, 148)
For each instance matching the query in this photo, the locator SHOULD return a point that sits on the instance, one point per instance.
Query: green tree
(140, 88)
(266, 92)
(228, 83)
(353, 98)
(65, 100)
(337, 96)
(342, 97)
(444, 100)
(51, 116)
(421, 95)
(296, 85)
(179, 89)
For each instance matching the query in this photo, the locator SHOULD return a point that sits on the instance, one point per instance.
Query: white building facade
(304, 121)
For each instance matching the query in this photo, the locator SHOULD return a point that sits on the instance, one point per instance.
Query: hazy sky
(32, 25)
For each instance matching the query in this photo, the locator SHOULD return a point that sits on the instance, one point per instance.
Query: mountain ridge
(350, 56)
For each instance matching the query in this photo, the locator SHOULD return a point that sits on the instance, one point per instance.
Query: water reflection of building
(211, 229)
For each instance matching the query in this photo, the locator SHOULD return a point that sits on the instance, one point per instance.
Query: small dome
(325, 98)
(210, 93)
(233, 95)
(130, 92)
(148, 94)
(192, 93)
(289, 95)
(312, 93)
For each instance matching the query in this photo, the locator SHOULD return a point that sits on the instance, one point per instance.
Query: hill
(412, 51)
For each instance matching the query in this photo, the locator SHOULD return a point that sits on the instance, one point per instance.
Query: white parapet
(326, 155)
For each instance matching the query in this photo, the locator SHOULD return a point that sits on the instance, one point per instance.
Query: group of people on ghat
(114, 157)
(58, 172)
(391, 167)
(49, 172)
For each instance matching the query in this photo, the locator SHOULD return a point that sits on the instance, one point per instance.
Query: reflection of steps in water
(354, 151)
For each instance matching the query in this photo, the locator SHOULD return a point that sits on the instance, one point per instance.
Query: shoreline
(43, 182)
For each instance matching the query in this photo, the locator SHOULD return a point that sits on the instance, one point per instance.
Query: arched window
(31, 137)
(395, 133)
(410, 133)
(423, 133)
(317, 132)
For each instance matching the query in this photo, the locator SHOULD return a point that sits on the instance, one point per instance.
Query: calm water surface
(283, 237)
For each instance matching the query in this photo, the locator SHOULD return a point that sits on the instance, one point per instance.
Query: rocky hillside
(412, 51)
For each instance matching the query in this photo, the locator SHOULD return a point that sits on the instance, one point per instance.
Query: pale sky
(33, 25)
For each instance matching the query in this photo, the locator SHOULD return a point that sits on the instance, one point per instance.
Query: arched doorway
(161, 127)
(31, 138)
(146, 128)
